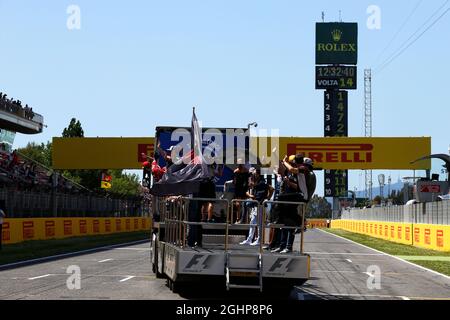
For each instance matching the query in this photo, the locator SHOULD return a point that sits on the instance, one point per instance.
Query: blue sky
(137, 64)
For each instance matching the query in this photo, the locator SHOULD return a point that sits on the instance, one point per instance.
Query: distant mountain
(398, 186)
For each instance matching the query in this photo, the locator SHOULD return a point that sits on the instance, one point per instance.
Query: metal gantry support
(368, 124)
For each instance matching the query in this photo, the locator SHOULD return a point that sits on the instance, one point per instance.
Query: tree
(41, 153)
(318, 207)
(124, 184)
(74, 130)
(377, 200)
(88, 178)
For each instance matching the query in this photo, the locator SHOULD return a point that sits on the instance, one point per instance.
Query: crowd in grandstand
(24, 174)
(15, 106)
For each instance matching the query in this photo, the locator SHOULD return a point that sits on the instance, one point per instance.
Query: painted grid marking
(127, 278)
(40, 277)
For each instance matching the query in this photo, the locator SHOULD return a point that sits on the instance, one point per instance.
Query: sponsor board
(6, 232)
(430, 188)
(100, 153)
(68, 227)
(83, 227)
(440, 238)
(50, 229)
(107, 225)
(336, 43)
(427, 236)
(28, 230)
(16, 230)
(341, 153)
(331, 153)
(407, 233)
(96, 226)
(434, 237)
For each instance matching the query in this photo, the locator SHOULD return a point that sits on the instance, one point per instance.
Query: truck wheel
(155, 267)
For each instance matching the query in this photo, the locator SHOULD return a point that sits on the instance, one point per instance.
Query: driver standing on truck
(241, 186)
(210, 193)
(207, 190)
(306, 185)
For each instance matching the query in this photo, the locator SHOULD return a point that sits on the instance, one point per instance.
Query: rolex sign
(336, 43)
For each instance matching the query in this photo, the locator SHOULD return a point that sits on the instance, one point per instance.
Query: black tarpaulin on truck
(183, 177)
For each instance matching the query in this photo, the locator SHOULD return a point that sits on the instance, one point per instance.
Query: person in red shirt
(157, 171)
(152, 167)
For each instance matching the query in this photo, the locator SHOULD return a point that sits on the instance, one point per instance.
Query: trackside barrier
(19, 230)
(317, 223)
(427, 236)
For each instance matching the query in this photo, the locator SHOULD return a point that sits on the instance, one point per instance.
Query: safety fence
(428, 236)
(28, 204)
(428, 213)
(19, 230)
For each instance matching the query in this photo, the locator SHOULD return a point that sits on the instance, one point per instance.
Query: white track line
(106, 260)
(345, 253)
(362, 295)
(40, 277)
(71, 254)
(134, 249)
(127, 278)
(386, 254)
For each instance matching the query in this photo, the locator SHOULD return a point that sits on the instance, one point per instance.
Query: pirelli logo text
(334, 153)
(107, 225)
(28, 230)
(6, 232)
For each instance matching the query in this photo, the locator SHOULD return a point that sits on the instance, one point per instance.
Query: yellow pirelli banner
(100, 153)
(19, 230)
(337, 153)
(428, 236)
(328, 153)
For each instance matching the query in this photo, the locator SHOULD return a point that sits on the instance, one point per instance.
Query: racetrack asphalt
(340, 269)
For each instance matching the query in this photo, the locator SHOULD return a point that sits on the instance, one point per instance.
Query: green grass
(43, 248)
(397, 249)
(439, 266)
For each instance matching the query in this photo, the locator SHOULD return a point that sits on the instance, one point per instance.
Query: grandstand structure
(15, 118)
(30, 189)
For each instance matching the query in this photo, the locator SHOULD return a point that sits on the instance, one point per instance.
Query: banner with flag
(185, 176)
(106, 182)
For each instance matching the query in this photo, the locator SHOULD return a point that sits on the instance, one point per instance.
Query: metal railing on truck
(174, 216)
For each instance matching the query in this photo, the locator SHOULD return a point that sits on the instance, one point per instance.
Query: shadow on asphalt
(219, 292)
